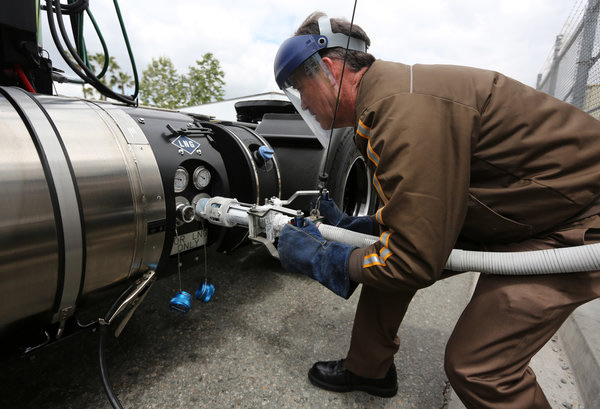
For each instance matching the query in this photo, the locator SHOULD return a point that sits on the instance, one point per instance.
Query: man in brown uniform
(462, 157)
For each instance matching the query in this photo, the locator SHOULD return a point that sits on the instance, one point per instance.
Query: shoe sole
(371, 390)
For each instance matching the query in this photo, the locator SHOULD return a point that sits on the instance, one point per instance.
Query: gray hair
(356, 60)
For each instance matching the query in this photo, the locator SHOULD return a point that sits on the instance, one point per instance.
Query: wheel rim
(357, 193)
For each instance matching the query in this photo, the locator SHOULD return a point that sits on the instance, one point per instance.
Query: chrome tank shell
(82, 203)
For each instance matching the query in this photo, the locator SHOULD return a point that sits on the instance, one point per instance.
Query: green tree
(161, 85)
(113, 77)
(204, 81)
(124, 80)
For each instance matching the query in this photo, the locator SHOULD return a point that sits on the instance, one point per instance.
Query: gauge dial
(182, 178)
(201, 177)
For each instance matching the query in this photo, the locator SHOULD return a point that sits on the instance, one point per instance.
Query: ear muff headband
(339, 39)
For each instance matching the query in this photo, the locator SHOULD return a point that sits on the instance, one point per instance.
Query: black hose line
(102, 43)
(78, 65)
(136, 80)
(88, 73)
(72, 8)
(114, 401)
(112, 398)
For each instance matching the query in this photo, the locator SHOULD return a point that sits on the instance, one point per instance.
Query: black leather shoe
(334, 376)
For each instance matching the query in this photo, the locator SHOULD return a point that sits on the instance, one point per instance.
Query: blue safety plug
(266, 153)
(182, 302)
(205, 292)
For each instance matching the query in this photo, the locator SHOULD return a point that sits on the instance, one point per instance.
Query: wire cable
(323, 175)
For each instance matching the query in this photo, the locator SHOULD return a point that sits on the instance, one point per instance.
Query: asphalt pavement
(249, 347)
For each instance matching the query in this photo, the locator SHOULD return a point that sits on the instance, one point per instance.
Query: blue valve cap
(182, 302)
(265, 152)
(205, 292)
(298, 221)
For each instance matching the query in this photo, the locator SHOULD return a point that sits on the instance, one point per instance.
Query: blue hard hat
(300, 68)
(293, 52)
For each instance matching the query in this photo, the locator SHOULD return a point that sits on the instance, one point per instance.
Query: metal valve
(185, 213)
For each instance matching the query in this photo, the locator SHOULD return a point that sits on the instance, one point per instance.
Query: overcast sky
(514, 37)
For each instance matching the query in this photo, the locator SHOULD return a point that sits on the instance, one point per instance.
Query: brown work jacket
(466, 154)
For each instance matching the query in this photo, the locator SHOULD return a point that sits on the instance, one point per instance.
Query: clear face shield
(313, 90)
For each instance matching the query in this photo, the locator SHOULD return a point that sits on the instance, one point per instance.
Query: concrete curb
(581, 336)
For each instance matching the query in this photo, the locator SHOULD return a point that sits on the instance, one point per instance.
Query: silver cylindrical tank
(81, 203)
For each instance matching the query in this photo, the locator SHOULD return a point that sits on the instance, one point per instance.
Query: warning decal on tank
(185, 143)
(189, 241)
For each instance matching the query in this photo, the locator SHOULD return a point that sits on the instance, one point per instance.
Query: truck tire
(350, 179)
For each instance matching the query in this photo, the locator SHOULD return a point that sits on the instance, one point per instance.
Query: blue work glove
(334, 216)
(303, 250)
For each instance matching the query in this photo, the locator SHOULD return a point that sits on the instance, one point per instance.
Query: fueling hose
(549, 261)
(229, 213)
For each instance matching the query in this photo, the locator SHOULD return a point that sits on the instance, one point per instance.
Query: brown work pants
(507, 321)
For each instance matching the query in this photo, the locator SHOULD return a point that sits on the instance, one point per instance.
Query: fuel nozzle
(185, 213)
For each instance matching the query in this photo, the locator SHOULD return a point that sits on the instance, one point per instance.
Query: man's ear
(333, 67)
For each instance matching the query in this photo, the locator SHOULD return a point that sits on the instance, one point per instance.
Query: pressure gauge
(182, 178)
(201, 177)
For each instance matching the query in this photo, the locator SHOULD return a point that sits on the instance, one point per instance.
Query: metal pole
(555, 62)
(585, 60)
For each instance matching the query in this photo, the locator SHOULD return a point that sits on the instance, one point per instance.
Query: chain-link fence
(572, 71)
